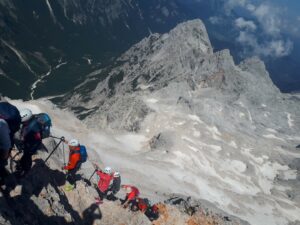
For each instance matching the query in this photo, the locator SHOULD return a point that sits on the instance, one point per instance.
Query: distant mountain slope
(38, 36)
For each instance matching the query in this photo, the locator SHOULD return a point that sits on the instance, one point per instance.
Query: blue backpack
(41, 123)
(11, 115)
(83, 154)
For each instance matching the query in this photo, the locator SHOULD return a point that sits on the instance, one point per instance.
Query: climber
(74, 163)
(10, 121)
(105, 178)
(29, 141)
(144, 205)
(114, 188)
(132, 194)
(140, 204)
(5, 146)
(152, 212)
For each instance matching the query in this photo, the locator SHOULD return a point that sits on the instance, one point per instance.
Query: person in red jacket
(105, 178)
(73, 164)
(132, 194)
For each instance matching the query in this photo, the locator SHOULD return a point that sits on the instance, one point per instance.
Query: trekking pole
(56, 137)
(92, 176)
(64, 154)
(61, 140)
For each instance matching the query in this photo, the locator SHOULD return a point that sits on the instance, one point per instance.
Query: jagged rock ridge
(183, 56)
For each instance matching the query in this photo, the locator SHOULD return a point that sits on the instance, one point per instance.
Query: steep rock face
(150, 65)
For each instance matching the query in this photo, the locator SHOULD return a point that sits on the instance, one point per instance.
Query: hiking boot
(69, 187)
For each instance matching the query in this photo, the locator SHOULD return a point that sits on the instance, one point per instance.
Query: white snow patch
(236, 166)
(250, 116)
(272, 136)
(290, 120)
(233, 144)
(195, 118)
(241, 104)
(241, 115)
(216, 148)
(180, 123)
(193, 148)
(271, 130)
(267, 114)
(144, 87)
(152, 100)
(247, 152)
(215, 132)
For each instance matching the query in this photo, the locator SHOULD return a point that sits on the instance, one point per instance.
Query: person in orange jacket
(105, 178)
(132, 194)
(73, 164)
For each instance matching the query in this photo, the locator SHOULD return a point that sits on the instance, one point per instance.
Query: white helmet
(116, 174)
(73, 143)
(107, 170)
(25, 114)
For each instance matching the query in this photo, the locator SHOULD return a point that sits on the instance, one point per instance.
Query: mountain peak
(192, 34)
(183, 57)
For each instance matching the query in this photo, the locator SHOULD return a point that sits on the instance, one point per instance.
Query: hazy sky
(267, 28)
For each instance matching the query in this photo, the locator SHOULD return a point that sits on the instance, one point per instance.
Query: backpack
(83, 154)
(11, 115)
(154, 208)
(44, 124)
(147, 202)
